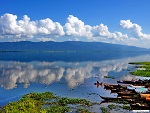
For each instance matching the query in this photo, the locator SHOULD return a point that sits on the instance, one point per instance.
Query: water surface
(70, 74)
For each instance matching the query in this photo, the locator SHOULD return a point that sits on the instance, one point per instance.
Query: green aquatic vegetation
(39, 96)
(104, 110)
(57, 109)
(81, 110)
(45, 102)
(145, 73)
(26, 106)
(65, 101)
(119, 101)
(125, 102)
(143, 69)
(126, 107)
(109, 77)
(112, 106)
(140, 63)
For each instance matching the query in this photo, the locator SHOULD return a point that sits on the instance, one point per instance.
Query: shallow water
(66, 74)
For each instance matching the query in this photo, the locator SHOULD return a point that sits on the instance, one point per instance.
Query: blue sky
(112, 21)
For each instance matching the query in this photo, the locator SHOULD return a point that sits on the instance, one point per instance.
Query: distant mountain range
(66, 46)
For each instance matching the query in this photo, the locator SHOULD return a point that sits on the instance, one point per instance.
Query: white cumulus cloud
(47, 26)
(43, 39)
(10, 26)
(76, 27)
(102, 30)
(14, 29)
(135, 29)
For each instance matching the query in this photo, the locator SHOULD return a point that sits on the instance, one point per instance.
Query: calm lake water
(70, 74)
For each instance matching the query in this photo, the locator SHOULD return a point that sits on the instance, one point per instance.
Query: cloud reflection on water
(12, 73)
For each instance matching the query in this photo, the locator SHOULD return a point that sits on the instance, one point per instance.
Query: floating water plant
(112, 77)
(45, 102)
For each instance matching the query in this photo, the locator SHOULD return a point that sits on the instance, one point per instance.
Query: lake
(67, 74)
